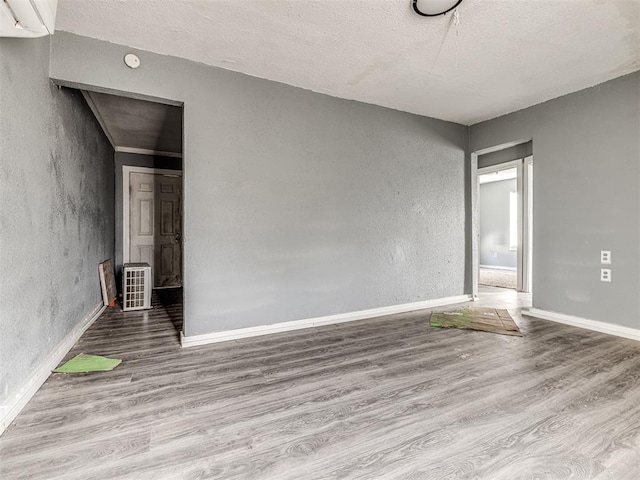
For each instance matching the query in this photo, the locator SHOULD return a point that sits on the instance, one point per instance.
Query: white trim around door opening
(524, 221)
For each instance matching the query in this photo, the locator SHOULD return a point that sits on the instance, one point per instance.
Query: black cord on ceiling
(417, 10)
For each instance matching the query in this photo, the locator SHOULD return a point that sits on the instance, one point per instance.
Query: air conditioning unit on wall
(27, 18)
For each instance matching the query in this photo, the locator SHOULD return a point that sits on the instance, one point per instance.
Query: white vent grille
(136, 286)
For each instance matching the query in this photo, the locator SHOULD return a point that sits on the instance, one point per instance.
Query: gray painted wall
(56, 210)
(494, 224)
(506, 155)
(586, 197)
(133, 160)
(297, 204)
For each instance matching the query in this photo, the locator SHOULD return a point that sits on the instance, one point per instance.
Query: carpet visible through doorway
(484, 319)
(498, 278)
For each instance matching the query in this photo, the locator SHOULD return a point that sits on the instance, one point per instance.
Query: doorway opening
(147, 138)
(502, 202)
(498, 223)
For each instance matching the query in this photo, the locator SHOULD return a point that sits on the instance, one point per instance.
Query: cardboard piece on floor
(84, 363)
(108, 283)
(483, 319)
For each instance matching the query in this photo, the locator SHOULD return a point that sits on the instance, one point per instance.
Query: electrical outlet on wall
(605, 257)
(605, 274)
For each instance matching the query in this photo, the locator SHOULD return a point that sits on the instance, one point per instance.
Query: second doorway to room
(505, 225)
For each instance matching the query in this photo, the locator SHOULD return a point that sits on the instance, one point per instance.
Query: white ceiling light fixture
(434, 8)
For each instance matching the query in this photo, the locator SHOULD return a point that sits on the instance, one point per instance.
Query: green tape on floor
(478, 318)
(88, 363)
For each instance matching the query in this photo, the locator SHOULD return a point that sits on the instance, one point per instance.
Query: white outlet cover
(605, 274)
(605, 257)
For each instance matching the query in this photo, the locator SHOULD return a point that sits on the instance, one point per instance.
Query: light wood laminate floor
(386, 398)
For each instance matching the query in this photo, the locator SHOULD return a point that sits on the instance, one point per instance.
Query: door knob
(178, 237)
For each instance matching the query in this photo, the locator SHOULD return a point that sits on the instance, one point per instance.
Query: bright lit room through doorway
(505, 220)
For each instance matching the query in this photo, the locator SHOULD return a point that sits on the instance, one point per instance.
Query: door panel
(155, 208)
(168, 256)
(167, 222)
(146, 217)
(145, 254)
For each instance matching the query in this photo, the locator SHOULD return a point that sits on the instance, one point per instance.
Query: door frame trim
(126, 170)
(527, 224)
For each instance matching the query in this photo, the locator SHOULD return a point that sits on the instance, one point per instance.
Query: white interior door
(155, 225)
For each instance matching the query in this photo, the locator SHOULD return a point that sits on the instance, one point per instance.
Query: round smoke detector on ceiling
(131, 60)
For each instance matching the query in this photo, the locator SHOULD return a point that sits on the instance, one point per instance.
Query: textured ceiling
(503, 55)
(137, 125)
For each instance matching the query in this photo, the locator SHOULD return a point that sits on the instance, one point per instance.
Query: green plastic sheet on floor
(84, 363)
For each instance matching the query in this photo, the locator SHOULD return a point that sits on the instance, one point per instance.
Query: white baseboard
(214, 337)
(14, 404)
(595, 325)
(495, 267)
